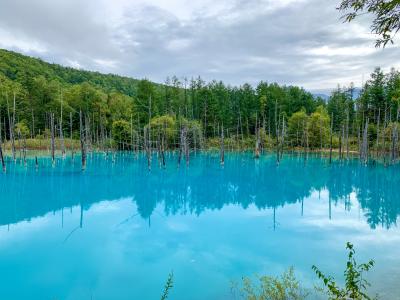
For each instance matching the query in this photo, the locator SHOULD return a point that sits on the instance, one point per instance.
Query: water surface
(117, 230)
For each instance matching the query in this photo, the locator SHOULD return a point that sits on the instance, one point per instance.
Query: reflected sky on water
(117, 230)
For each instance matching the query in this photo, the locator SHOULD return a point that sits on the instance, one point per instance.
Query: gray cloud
(288, 41)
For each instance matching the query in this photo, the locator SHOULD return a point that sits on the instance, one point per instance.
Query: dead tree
(82, 134)
(364, 149)
(183, 147)
(277, 133)
(384, 138)
(19, 143)
(11, 124)
(331, 141)
(257, 146)
(187, 146)
(394, 142)
(222, 148)
(377, 134)
(70, 135)
(347, 133)
(87, 134)
(132, 147)
(61, 127)
(52, 132)
(163, 146)
(1, 155)
(359, 142)
(305, 141)
(283, 134)
(147, 146)
(340, 144)
(24, 149)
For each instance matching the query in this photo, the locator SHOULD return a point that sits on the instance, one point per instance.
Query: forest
(47, 106)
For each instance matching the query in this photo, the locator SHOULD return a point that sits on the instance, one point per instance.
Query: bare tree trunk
(394, 142)
(132, 134)
(320, 136)
(384, 138)
(1, 154)
(365, 144)
(148, 148)
(11, 125)
(340, 144)
(24, 149)
(61, 127)
(377, 134)
(70, 135)
(257, 146)
(222, 150)
(331, 141)
(187, 153)
(347, 134)
(33, 124)
(277, 133)
(52, 137)
(83, 140)
(163, 146)
(283, 134)
(180, 147)
(305, 141)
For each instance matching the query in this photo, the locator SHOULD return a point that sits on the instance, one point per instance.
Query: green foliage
(168, 286)
(386, 16)
(121, 107)
(318, 128)
(122, 133)
(355, 284)
(284, 287)
(164, 125)
(298, 127)
(22, 129)
(340, 106)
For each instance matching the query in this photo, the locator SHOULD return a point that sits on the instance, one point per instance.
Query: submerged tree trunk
(187, 151)
(82, 134)
(61, 128)
(11, 124)
(377, 134)
(70, 135)
(2, 156)
(24, 149)
(52, 137)
(277, 133)
(365, 144)
(347, 133)
(163, 147)
(394, 142)
(222, 150)
(331, 141)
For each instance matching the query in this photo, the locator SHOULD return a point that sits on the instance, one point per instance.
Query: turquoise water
(117, 230)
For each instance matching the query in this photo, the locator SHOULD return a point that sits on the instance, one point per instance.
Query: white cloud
(300, 42)
(17, 41)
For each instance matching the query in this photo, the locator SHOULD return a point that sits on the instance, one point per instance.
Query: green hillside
(23, 68)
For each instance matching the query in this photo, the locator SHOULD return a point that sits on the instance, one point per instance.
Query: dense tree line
(127, 110)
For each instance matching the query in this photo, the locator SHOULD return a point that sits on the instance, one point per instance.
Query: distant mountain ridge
(326, 93)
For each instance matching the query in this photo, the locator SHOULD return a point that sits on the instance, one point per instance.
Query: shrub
(284, 287)
(355, 285)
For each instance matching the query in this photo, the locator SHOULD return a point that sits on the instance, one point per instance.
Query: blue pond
(117, 230)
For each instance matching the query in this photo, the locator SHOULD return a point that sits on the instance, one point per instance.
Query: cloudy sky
(300, 42)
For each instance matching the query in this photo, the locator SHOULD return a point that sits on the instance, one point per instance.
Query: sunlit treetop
(386, 22)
